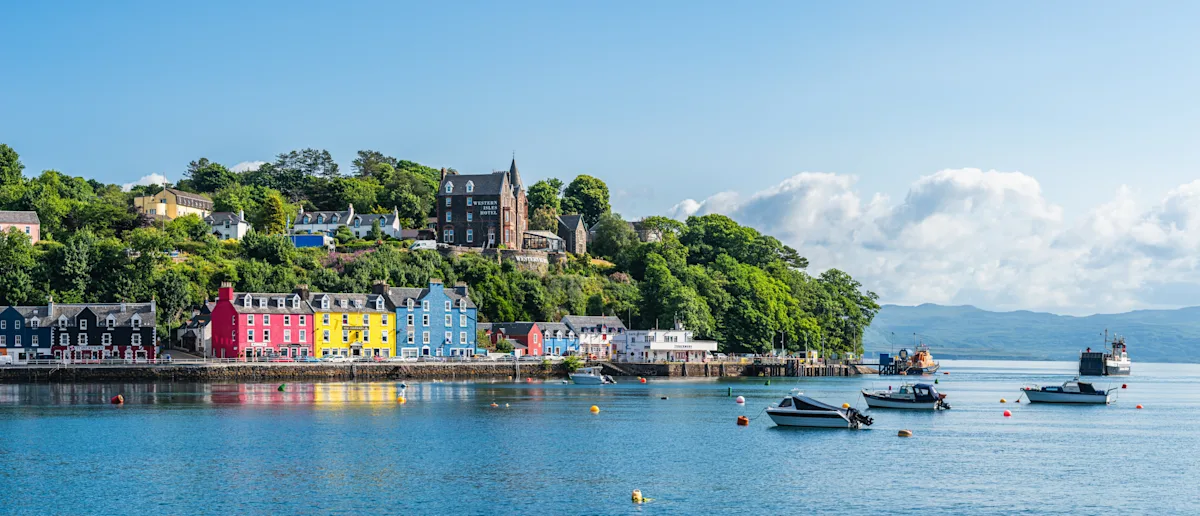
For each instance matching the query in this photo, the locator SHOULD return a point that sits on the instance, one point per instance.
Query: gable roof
(325, 216)
(335, 300)
(485, 184)
(239, 299)
(572, 222)
(218, 218)
(19, 217)
(578, 322)
(189, 195)
(553, 327)
(122, 313)
(513, 328)
(385, 219)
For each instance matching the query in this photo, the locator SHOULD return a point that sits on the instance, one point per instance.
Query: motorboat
(921, 396)
(1073, 391)
(591, 376)
(800, 410)
(1113, 361)
(908, 362)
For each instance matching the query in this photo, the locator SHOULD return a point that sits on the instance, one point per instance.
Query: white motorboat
(800, 410)
(921, 396)
(1073, 391)
(590, 376)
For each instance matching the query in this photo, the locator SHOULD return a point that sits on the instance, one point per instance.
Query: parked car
(6, 360)
(506, 358)
(337, 359)
(309, 359)
(419, 245)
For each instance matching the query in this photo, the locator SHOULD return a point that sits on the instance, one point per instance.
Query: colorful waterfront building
(24, 333)
(353, 325)
(558, 339)
(525, 336)
(253, 324)
(433, 321)
(599, 336)
(98, 331)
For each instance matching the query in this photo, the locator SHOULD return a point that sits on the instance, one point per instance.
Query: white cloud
(989, 239)
(152, 179)
(247, 166)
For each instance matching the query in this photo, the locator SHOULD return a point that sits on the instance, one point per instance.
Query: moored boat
(908, 362)
(800, 410)
(919, 396)
(1073, 391)
(1112, 361)
(590, 376)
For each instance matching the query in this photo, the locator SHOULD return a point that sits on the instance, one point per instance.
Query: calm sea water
(350, 448)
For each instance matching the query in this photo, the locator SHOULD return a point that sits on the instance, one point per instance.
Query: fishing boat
(591, 376)
(800, 410)
(1112, 361)
(1073, 391)
(919, 396)
(908, 362)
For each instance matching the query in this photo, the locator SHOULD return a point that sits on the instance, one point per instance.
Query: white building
(599, 336)
(227, 225)
(325, 222)
(674, 345)
(389, 223)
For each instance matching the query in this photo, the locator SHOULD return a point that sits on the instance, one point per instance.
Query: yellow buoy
(595, 409)
(904, 433)
(845, 405)
(402, 400)
(1002, 400)
(637, 496)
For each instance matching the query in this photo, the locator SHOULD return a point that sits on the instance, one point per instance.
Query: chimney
(461, 288)
(225, 293)
(122, 307)
(443, 173)
(302, 290)
(379, 287)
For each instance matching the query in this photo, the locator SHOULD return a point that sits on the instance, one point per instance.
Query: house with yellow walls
(353, 326)
(171, 204)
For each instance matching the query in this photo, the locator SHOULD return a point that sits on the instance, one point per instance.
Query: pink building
(25, 221)
(250, 325)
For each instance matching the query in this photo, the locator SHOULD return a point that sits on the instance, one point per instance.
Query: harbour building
(433, 321)
(353, 325)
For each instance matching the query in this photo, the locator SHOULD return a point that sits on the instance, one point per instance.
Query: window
(470, 201)
(82, 339)
(266, 335)
(3, 325)
(249, 335)
(449, 320)
(448, 202)
(379, 306)
(33, 323)
(410, 304)
(106, 339)
(136, 322)
(508, 235)
(506, 216)
(345, 335)
(266, 319)
(449, 338)
(279, 303)
(82, 324)
(470, 232)
(470, 216)
(410, 337)
(462, 337)
(64, 340)
(27, 230)
(287, 335)
(136, 340)
(424, 319)
(425, 304)
(246, 301)
(325, 319)
(2, 343)
(470, 186)
(449, 217)
(303, 320)
(383, 319)
(366, 319)
(345, 318)
(449, 188)
(462, 320)
(325, 303)
(325, 336)
(295, 302)
(250, 319)
(358, 303)
(17, 340)
(33, 341)
(357, 222)
(447, 306)
(366, 336)
(262, 303)
(112, 321)
(383, 336)
(448, 236)
(424, 337)
(410, 320)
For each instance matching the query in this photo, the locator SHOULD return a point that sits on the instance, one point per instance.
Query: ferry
(1113, 361)
(909, 363)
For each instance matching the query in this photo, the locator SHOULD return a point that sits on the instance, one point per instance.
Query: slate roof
(19, 217)
(551, 327)
(400, 296)
(218, 218)
(367, 302)
(30, 312)
(272, 307)
(198, 321)
(385, 219)
(326, 216)
(578, 322)
(485, 184)
(484, 326)
(513, 328)
(514, 178)
(189, 195)
(122, 313)
(571, 222)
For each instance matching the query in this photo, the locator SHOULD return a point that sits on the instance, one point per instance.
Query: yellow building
(171, 203)
(353, 326)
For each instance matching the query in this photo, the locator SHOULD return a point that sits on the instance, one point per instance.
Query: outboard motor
(859, 417)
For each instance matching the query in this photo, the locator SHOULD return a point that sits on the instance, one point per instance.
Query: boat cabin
(1073, 387)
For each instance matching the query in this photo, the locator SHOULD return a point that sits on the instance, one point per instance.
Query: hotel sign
(487, 208)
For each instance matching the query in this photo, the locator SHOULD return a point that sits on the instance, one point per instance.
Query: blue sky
(665, 101)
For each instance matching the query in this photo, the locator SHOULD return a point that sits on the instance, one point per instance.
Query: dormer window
(306, 219)
(325, 302)
(357, 303)
(247, 301)
(379, 303)
(279, 303)
(462, 303)
(62, 322)
(320, 219)
(262, 303)
(335, 218)
(33, 323)
(343, 303)
(449, 187)
(410, 304)
(357, 222)
(136, 322)
(470, 186)
(295, 301)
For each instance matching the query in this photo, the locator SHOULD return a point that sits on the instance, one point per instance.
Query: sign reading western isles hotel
(488, 208)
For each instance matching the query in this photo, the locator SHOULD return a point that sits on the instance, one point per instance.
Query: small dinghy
(800, 410)
(1073, 391)
(919, 396)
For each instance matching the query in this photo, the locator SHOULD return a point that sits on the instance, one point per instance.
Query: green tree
(545, 194)
(274, 216)
(613, 235)
(173, 294)
(206, 176)
(18, 262)
(10, 166)
(587, 196)
(544, 218)
(504, 346)
(376, 231)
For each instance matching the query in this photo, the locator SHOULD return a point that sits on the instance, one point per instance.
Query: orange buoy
(120, 400)
(1002, 400)
(1007, 414)
(743, 421)
(401, 400)
(495, 405)
(1124, 386)
(1139, 406)
(643, 380)
(945, 372)
(595, 409)
(904, 433)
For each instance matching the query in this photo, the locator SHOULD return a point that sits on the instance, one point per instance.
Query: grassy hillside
(967, 332)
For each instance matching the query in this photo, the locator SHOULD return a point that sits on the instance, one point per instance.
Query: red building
(262, 324)
(525, 333)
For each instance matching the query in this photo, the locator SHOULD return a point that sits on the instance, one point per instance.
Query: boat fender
(740, 400)
(1002, 400)
(1007, 414)
(117, 400)
(743, 421)
(595, 409)
(904, 433)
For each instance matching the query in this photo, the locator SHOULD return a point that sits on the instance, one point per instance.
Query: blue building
(25, 333)
(434, 321)
(558, 339)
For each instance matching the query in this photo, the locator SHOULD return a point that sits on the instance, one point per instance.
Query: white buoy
(740, 400)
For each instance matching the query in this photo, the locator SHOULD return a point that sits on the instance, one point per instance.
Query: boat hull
(878, 402)
(1071, 397)
(807, 419)
(585, 379)
(1115, 368)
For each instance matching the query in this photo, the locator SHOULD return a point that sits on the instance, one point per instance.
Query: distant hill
(966, 332)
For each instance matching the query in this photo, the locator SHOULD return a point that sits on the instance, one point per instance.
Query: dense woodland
(725, 281)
